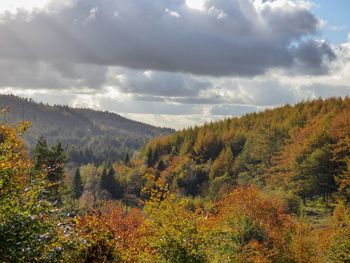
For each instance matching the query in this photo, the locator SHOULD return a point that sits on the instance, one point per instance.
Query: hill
(91, 136)
(229, 191)
(303, 149)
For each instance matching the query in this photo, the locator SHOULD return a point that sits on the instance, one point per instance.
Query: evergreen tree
(109, 183)
(50, 161)
(127, 158)
(343, 181)
(314, 175)
(78, 186)
(104, 179)
(41, 153)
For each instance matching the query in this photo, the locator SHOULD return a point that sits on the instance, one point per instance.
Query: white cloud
(161, 62)
(14, 5)
(195, 4)
(176, 122)
(338, 28)
(172, 13)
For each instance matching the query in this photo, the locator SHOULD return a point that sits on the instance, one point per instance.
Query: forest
(272, 186)
(88, 136)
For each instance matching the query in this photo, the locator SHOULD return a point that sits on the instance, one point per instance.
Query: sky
(175, 63)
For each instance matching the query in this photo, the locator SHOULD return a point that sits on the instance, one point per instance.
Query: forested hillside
(230, 191)
(304, 149)
(91, 136)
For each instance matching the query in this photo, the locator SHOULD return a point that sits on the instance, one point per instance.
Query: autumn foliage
(268, 187)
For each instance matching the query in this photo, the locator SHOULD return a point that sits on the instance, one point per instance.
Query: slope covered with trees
(304, 149)
(247, 225)
(92, 136)
(230, 191)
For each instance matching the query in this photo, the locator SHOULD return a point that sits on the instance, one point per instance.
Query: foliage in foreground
(27, 231)
(245, 226)
(234, 224)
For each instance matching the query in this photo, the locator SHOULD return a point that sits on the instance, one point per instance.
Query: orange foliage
(14, 162)
(268, 214)
(121, 228)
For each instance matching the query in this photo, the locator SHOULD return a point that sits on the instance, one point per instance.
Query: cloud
(155, 83)
(57, 75)
(325, 91)
(313, 57)
(226, 38)
(337, 28)
(176, 122)
(160, 61)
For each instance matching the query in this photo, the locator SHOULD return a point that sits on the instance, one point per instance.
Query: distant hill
(90, 136)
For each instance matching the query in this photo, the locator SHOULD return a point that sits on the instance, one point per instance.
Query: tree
(207, 145)
(51, 162)
(339, 247)
(340, 132)
(223, 164)
(78, 186)
(314, 175)
(27, 225)
(109, 183)
(343, 181)
(172, 232)
(127, 158)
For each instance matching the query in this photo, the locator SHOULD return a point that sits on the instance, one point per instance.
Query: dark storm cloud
(212, 92)
(237, 37)
(312, 57)
(43, 75)
(149, 83)
(161, 57)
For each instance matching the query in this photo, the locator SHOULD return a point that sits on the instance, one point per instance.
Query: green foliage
(51, 160)
(343, 180)
(27, 221)
(315, 173)
(176, 236)
(301, 148)
(78, 186)
(27, 230)
(207, 145)
(292, 153)
(223, 164)
(339, 248)
(91, 136)
(219, 184)
(109, 183)
(189, 177)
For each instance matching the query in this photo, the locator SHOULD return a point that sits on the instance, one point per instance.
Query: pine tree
(127, 158)
(78, 186)
(343, 181)
(51, 161)
(41, 153)
(109, 183)
(104, 180)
